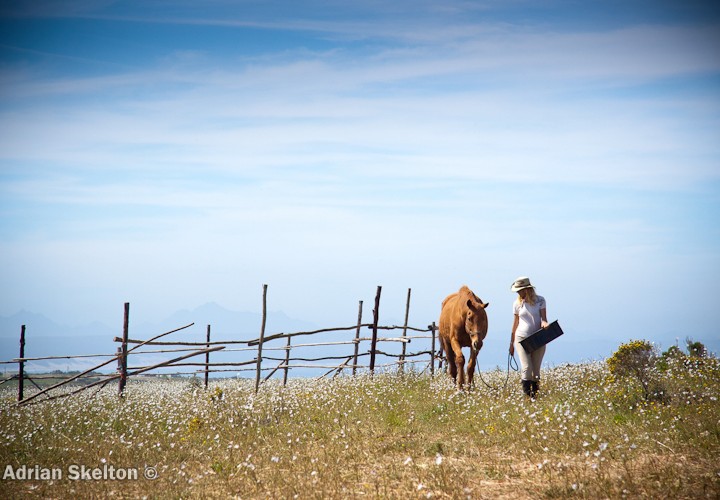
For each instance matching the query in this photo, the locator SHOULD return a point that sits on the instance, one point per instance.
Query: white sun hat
(521, 283)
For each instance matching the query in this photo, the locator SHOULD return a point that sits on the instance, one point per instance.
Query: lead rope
(510, 362)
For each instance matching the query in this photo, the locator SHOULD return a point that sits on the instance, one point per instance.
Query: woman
(529, 316)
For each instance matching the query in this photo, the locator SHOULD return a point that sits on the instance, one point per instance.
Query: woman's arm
(543, 318)
(516, 320)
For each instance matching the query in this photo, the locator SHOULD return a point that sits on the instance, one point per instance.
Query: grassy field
(390, 436)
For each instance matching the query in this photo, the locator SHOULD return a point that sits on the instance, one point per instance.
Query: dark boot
(527, 387)
(534, 388)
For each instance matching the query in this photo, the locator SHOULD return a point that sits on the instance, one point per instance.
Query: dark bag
(541, 337)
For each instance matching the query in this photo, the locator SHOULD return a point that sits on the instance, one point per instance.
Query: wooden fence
(129, 348)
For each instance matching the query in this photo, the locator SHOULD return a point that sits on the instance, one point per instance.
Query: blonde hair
(530, 296)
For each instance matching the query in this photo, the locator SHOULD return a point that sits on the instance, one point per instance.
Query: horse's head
(476, 322)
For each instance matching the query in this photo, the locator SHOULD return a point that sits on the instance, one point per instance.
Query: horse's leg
(450, 360)
(471, 367)
(459, 363)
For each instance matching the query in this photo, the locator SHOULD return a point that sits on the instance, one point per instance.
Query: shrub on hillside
(637, 360)
(689, 376)
(696, 349)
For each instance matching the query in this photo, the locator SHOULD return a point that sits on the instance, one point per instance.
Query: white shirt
(528, 317)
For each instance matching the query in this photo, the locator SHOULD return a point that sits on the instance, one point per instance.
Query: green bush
(637, 360)
(696, 349)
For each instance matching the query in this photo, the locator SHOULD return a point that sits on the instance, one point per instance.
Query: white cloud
(328, 111)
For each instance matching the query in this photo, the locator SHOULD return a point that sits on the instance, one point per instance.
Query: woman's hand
(544, 324)
(512, 349)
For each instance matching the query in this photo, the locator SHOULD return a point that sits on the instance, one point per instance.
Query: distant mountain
(10, 325)
(224, 324)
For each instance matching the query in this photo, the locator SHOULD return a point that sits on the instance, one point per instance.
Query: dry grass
(390, 436)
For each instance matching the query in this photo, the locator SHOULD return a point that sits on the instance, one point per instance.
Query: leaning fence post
(124, 350)
(376, 315)
(262, 337)
(287, 361)
(21, 364)
(432, 350)
(207, 357)
(404, 333)
(357, 338)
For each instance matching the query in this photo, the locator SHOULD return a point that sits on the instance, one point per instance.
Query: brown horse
(463, 323)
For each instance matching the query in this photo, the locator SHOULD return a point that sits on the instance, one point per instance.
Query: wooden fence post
(287, 361)
(439, 351)
(376, 315)
(21, 364)
(357, 337)
(123, 352)
(262, 338)
(404, 333)
(432, 350)
(207, 357)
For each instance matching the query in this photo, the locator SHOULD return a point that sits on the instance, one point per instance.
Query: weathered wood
(173, 361)
(237, 363)
(42, 358)
(405, 328)
(193, 344)
(113, 377)
(439, 355)
(330, 367)
(50, 376)
(74, 377)
(244, 349)
(287, 360)
(207, 357)
(123, 354)
(337, 368)
(151, 340)
(161, 335)
(432, 350)
(166, 351)
(376, 316)
(33, 383)
(396, 327)
(324, 358)
(400, 356)
(340, 368)
(273, 371)
(317, 344)
(258, 344)
(21, 365)
(261, 339)
(344, 342)
(218, 370)
(357, 337)
(311, 332)
(268, 338)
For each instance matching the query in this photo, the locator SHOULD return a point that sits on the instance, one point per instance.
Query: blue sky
(175, 153)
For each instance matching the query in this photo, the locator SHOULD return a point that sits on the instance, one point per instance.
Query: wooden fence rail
(129, 347)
